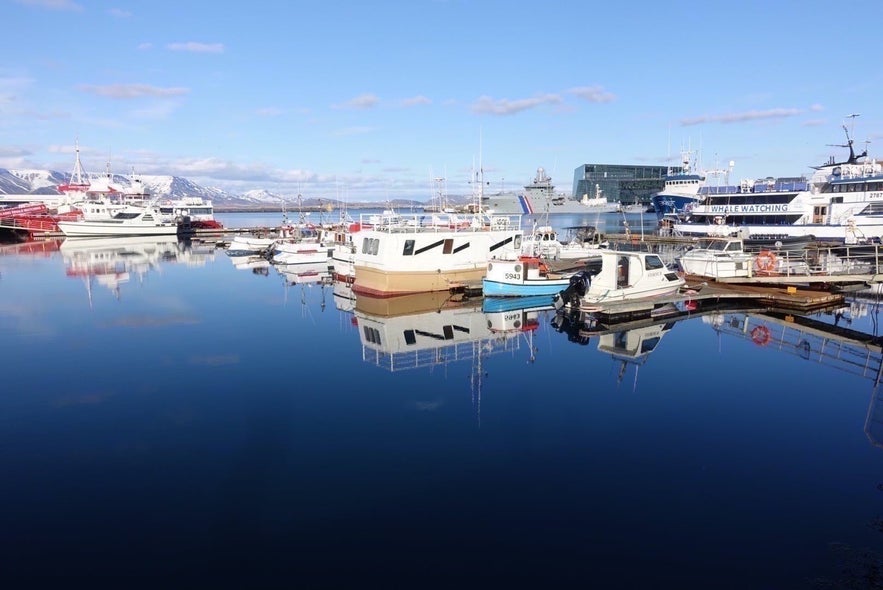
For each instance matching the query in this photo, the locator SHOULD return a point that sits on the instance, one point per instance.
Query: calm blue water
(175, 418)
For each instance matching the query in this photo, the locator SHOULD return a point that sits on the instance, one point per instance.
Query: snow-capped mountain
(45, 182)
(18, 182)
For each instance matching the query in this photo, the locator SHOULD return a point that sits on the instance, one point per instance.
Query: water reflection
(112, 262)
(424, 330)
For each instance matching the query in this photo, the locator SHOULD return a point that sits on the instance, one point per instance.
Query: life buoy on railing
(765, 261)
(760, 335)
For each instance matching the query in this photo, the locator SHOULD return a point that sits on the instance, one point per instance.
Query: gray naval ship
(539, 197)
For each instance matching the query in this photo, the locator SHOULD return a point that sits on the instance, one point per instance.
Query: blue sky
(371, 100)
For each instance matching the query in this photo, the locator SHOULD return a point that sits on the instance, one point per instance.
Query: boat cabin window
(409, 248)
(622, 272)
(370, 245)
(653, 263)
(449, 246)
(372, 335)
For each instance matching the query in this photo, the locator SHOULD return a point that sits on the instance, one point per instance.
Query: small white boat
(133, 221)
(625, 276)
(301, 252)
(718, 258)
(529, 275)
(544, 241)
(242, 245)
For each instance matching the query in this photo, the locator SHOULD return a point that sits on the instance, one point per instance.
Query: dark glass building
(620, 182)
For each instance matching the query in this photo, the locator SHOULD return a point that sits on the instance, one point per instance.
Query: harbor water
(169, 418)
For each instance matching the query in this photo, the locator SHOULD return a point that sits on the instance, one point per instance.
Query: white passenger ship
(842, 201)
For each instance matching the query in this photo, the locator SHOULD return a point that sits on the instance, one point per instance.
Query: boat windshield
(126, 215)
(716, 245)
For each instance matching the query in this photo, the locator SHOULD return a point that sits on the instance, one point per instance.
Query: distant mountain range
(45, 182)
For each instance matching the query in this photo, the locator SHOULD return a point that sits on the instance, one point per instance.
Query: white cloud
(742, 117)
(195, 47)
(503, 106)
(119, 13)
(592, 94)
(52, 4)
(353, 131)
(361, 102)
(126, 91)
(158, 110)
(415, 100)
(269, 112)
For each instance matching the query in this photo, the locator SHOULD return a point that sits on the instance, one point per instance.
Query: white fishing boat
(598, 203)
(624, 276)
(418, 254)
(718, 258)
(304, 245)
(134, 221)
(545, 242)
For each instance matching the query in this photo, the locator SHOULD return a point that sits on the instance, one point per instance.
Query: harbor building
(625, 183)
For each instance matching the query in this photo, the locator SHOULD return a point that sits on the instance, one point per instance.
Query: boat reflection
(311, 273)
(258, 265)
(826, 339)
(112, 262)
(434, 329)
(426, 329)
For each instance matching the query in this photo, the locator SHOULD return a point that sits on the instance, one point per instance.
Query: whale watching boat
(842, 201)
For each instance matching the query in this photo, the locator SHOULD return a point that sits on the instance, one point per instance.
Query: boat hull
(410, 258)
(385, 283)
(97, 228)
(717, 267)
(527, 288)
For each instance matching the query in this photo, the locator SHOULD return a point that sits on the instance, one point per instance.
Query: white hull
(302, 253)
(111, 228)
(624, 276)
(864, 229)
(718, 259)
(718, 268)
(409, 258)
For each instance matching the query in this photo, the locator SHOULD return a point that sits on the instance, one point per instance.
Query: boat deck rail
(437, 222)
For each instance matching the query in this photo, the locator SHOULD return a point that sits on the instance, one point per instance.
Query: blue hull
(497, 304)
(548, 287)
(665, 204)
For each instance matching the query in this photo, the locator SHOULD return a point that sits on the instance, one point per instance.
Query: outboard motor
(579, 285)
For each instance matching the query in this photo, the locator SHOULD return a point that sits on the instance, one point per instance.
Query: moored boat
(840, 202)
(539, 197)
(137, 221)
(624, 276)
(718, 258)
(531, 275)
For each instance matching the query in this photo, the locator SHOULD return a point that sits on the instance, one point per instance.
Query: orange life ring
(760, 335)
(765, 261)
